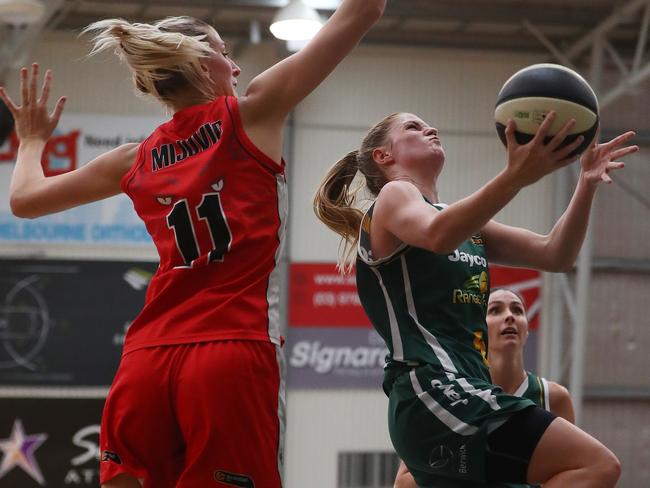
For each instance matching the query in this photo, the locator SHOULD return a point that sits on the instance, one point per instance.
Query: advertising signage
(331, 343)
(62, 323)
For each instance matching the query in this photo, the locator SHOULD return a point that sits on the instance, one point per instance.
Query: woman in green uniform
(422, 277)
(507, 334)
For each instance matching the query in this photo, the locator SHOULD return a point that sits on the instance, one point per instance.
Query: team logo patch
(441, 457)
(477, 240)
(111, 456)
(232, 479)
(165, 200)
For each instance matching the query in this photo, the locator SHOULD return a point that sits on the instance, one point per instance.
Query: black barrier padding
(6, 122)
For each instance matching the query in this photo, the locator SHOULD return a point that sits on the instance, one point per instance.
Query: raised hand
(529, 162)
(32, 119)
(599, 159)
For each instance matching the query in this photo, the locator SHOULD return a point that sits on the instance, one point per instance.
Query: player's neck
(507, 371)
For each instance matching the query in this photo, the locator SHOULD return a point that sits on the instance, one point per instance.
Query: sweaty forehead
(405, 118)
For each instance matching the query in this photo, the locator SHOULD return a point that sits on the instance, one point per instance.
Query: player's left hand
(32, 118)
(599, 159)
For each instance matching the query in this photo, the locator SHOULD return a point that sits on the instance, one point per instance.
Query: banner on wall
(62, 323)
(331, 343)
(78, 139)
(59, 449)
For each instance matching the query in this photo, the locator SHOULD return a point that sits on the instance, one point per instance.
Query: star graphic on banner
(19, 449)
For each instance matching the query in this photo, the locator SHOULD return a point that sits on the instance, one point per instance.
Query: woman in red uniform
(198, 397)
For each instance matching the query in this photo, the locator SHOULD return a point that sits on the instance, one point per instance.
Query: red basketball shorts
(196, 415)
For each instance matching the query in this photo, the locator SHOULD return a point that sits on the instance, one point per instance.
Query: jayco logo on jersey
(463, 257)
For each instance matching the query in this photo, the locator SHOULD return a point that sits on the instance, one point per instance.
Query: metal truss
(632, 70)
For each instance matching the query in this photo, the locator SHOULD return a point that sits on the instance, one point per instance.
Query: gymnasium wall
(455, 92)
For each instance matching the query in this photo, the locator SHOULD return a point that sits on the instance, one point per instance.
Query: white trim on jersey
(396, 339)
(364, 255)
(433, 342)
(485, 395)
(446, 417)
(522, 388)
(282, 410)
(438, 350)
(547, 393)
(273, 287)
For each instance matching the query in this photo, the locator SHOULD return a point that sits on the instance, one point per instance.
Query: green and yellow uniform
(430, 310)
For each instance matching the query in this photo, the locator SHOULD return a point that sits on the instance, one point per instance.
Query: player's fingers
(558, 138)
(47, 84)
(24, 93)
(622, 139)
(58, 109)
(564, 152)
(32, 83)
(8, 101)
(544, 127)
(510, 133)
(624, 151)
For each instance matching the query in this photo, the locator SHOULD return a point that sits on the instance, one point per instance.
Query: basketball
(534, 91)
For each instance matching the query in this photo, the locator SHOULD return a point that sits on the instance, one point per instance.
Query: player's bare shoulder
(560, 401)
(124, 156)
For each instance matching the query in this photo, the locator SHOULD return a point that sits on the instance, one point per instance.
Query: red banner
(59, 156)
(319, 296)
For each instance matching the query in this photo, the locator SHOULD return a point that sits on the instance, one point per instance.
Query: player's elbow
(441, 239)
(375, 9)
(440, 245)
(21, 206)
(370, 11)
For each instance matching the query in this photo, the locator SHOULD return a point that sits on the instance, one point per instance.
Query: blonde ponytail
(334, 203)
(334, 206)
(164, 57)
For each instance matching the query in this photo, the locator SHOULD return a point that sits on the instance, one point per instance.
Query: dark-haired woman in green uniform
(507, 334)
(422, 276)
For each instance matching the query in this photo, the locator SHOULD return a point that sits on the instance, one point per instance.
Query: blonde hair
(334, 203)
(164, 57)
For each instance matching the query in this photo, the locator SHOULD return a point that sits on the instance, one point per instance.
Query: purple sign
(334, 357)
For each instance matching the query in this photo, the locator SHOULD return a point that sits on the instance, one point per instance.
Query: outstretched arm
(276, 91)
(402, 212)
(32, 194)
(557, 251)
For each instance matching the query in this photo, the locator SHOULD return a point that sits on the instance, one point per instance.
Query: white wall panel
(618, 331)
(621, 219)
(323, 423)
(453, 90)
(624, 427)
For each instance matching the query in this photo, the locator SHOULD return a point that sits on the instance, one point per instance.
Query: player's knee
(606, 468)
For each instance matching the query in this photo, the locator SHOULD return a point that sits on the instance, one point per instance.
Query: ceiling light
(296, 22)
(19, 12)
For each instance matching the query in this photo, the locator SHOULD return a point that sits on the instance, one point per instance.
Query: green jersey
(535, 388)
(429, 308)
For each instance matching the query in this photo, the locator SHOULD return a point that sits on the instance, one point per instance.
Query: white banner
(78, 139)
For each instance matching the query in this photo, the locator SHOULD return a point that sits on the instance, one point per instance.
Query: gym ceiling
(558, 30)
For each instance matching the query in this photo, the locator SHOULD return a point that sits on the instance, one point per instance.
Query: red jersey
(215, 207)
